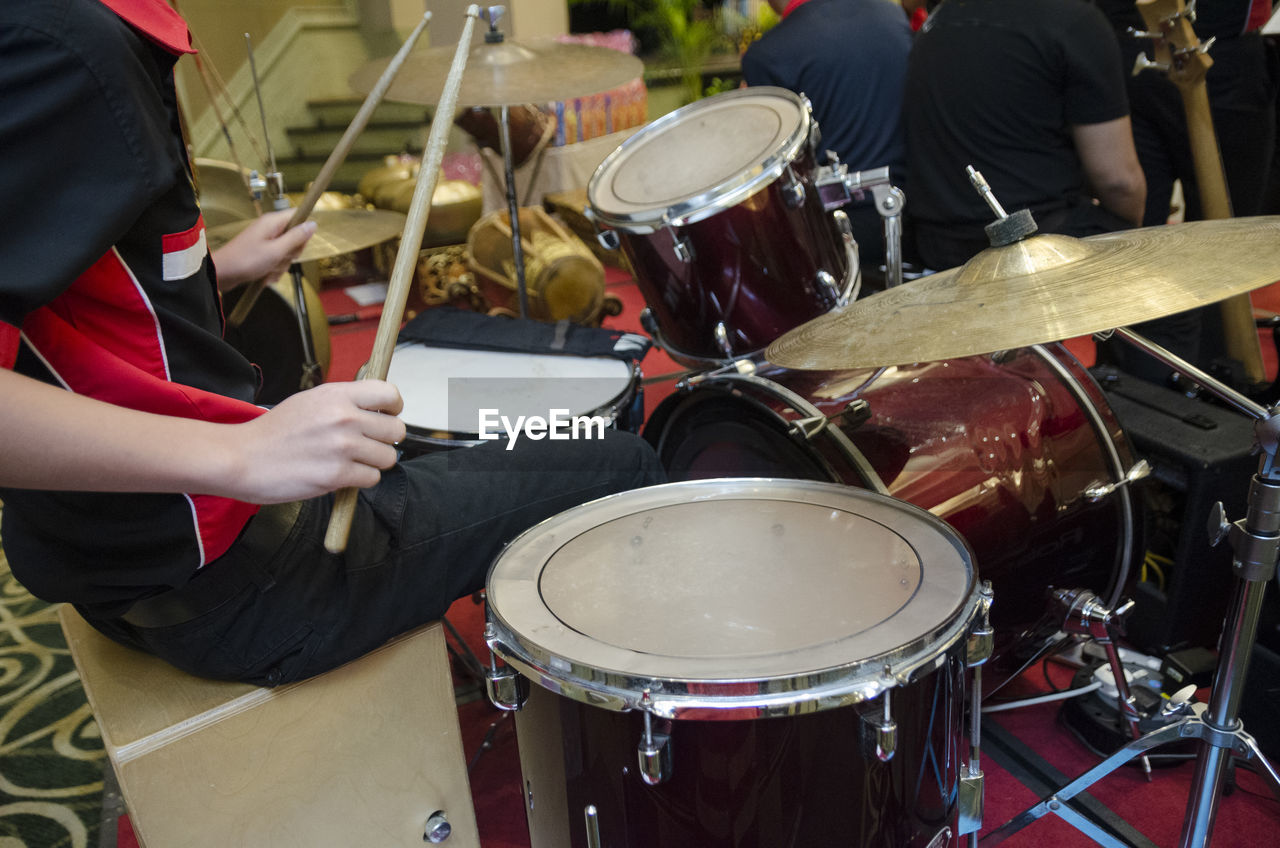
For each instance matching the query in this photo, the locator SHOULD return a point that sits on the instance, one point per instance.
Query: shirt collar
(157, 20)
(792, 6)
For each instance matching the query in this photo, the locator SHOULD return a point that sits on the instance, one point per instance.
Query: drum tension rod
(506, 689)
(654, 750)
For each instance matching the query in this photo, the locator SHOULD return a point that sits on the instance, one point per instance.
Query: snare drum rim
(717, 199)
(812, 690)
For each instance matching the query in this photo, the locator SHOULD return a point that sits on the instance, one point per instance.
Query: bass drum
(1005, 448)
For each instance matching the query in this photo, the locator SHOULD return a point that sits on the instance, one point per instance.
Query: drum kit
(807, 681)
(786, 646)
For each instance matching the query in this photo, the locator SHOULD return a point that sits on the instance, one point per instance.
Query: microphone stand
(1255, 545)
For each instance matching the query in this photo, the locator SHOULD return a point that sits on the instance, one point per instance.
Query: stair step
(376, 139)
(299, 172)
(338, 112)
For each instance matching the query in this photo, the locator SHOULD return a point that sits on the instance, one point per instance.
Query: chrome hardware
(1219, 526)
(1179, 702)
(827, 283)
(680, 246)
(880, 734)
(1144, 63)
(653, 752)
(437, 829)
(792, 190)
(592, 820)
(722, 339)
(969, 804)
(1095, 492)
(940, 839)
(807, 428)
(853, 278)
(982, 637)
(506, 689)
(609, 239)
(257, 185)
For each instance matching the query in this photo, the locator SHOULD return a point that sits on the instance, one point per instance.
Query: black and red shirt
(106, 285)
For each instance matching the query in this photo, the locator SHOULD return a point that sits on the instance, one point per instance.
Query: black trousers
(425, 536)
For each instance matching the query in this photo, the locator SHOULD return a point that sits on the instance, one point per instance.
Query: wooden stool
(361, 755)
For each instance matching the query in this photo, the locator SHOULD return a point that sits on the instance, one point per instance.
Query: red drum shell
(793, 782)
(1001, 450)
(755, 262)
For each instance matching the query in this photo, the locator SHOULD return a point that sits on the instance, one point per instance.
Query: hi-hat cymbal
(338, 231)
(506, 74)
(1043, 289)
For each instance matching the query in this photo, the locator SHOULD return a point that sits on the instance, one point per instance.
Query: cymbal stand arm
(336, 157)
(513, 207)
(415, 225)
(274, 179)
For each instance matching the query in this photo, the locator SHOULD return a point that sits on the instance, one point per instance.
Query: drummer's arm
(263, 249)
(334, 436)
(1111, 167)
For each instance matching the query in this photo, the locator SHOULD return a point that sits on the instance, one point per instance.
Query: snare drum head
(700, 158)
(445, 389)
(741, 588)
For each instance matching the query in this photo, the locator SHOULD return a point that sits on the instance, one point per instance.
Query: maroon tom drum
(1013, 450)
(739, 663)
(715, 207)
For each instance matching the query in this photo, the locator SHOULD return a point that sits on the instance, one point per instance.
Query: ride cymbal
(1043, 289)
(338, 232)
(507, 73)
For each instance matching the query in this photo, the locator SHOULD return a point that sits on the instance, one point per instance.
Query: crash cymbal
(1043, 289)
(506, 74)
(339, 231)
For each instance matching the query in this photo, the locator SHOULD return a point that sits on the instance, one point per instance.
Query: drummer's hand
(334, 436)
(262, 249)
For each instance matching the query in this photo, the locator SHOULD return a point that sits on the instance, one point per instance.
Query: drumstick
(331, 165)
(415, 225)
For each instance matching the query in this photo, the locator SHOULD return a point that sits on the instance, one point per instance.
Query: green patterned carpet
(51, 756)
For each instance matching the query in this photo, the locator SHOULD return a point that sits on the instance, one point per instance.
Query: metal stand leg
(310, 376)
(513, 205)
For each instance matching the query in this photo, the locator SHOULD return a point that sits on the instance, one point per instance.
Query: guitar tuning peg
(1142, 63)
(1205, 45)
(1141, 33)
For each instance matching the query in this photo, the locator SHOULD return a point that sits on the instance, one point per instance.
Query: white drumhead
(700, 159)
(444, 389)
(694, 589)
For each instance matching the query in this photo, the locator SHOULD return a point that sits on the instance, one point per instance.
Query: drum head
(444, 389)
(700, 159)
(778, 596)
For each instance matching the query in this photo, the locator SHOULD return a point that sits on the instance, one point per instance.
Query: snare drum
(732, 663)
(716, 209)
(1014, 451)
(446, 391)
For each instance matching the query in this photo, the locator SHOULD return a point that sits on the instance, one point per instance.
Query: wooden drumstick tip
(339, 529)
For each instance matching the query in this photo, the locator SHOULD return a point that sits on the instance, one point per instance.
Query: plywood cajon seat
(359, 756)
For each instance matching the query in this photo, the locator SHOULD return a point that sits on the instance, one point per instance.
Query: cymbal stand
(1255, 544)
(493, 14)
(274, 185)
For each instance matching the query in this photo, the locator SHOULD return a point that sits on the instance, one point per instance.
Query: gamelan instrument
(338, 232)
(506, 74)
